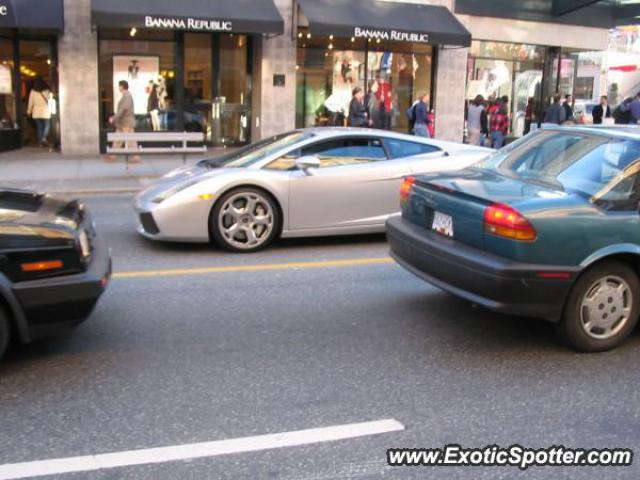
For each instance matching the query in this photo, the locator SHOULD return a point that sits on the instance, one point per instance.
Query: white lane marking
(196, 450)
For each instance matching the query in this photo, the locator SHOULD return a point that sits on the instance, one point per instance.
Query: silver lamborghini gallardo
(312, 182)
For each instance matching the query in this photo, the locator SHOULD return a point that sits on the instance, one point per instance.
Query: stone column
(277, 111)
(451, 77)
(78, 67)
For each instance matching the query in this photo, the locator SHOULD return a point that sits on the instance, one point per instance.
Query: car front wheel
(602, 308)
(245, 220)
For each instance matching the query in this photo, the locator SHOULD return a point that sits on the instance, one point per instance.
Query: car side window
(403, 148)
(347, 151)
(285, 162)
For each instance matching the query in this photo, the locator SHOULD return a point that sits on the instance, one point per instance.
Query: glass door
(217, 87)
(38, 64)
(232, 111)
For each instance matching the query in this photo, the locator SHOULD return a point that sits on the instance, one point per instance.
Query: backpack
(411, 114)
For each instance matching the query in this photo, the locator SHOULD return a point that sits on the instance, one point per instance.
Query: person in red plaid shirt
(499, 125)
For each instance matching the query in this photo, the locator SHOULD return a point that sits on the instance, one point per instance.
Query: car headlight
(161, 197)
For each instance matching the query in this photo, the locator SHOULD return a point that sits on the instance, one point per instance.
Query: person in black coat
(357, 109)
(568, 108)
(601, 110)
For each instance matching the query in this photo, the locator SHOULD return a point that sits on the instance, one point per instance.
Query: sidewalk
(41, 170)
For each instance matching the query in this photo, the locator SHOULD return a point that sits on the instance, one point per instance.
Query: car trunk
(461, 199)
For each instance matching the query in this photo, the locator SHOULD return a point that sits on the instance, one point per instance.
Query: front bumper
(497, 283)
(67, 299)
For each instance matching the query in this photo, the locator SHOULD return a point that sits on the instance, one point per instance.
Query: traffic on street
(191, 345)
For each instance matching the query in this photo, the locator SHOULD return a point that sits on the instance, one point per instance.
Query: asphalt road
(169, 360)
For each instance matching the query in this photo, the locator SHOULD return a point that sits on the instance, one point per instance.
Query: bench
(170, 139)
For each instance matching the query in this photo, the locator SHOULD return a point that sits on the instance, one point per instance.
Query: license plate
(442, 224)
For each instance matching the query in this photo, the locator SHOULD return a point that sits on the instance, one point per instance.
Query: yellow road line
(255, 268)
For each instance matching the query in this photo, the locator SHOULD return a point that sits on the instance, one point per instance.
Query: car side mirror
(307, 163)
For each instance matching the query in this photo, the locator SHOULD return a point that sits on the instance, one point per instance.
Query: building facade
(240, 70)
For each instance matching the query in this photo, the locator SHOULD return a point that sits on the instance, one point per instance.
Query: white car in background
(311, 182)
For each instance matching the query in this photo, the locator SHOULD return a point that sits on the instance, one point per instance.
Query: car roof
(631, 132)
(329, 132)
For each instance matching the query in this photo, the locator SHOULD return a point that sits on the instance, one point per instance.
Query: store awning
(385, 20)
(32, 14)
(226, 16)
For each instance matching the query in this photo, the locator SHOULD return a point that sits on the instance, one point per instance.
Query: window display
(392, 74)
(7, 92)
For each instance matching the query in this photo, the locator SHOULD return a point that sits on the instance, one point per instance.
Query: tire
(5, 332)
(238, 213)
(602, 308)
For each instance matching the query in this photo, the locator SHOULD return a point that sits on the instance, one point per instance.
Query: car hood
(26, 207)
(183, 178)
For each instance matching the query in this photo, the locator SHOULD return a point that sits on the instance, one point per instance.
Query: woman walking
(39, 110)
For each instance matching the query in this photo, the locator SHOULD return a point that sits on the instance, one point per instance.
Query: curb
(104, 191)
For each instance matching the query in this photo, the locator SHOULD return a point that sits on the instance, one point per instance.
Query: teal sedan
(546, 227)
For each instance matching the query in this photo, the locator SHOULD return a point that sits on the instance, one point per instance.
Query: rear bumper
(67, 299)
(477, 276)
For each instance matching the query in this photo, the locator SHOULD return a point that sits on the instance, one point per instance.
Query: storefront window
(399, 72)
(234, 95)
(496, 70)
(197, 82)
(143, 60)
(7, 88)
(328, 69)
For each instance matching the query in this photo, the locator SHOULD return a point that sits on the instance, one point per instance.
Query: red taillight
(41, 266)
(504, 221)
(406, 187)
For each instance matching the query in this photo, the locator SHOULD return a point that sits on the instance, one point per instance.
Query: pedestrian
(555, 113)
(568, 108)
(39, 109)
(500, 123)
(621, 114)
(373, 105)
(633, 108)
(601, 110)
(420, 127)
(124, 119)
(357, 109)
(152, 106)
(476, 121)
(529, 115)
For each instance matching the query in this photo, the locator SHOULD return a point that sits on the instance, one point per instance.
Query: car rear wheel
(5, 332)
(245, 220)
(602, 308)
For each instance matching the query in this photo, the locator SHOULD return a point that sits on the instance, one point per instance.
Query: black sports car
(53, 264)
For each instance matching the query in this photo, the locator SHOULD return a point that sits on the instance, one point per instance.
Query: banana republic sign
(394, 35)
(188, 23)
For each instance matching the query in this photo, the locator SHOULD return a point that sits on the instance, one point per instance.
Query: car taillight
(504, 221)
(406, 187)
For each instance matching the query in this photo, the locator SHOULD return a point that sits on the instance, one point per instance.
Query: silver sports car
(318, 181)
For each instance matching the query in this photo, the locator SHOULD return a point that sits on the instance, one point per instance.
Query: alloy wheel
(246, 220)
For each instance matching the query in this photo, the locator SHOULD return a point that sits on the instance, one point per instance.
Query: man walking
(500, 124)
(568, 108)
(601, 110)
(124, 119)
(555, 113)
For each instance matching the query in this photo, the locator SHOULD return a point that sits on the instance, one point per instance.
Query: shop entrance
(37, 63)
(216, 87)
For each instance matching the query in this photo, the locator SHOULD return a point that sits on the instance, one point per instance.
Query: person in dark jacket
(357, 109)
(601, 110)
(153, 106)
(568, 108)
(622, 114)
(373, 105)
(555, 113)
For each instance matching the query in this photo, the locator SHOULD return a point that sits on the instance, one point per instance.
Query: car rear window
(572, 161)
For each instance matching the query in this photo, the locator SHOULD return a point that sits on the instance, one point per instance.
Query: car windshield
(569, 160)
(251, 154)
